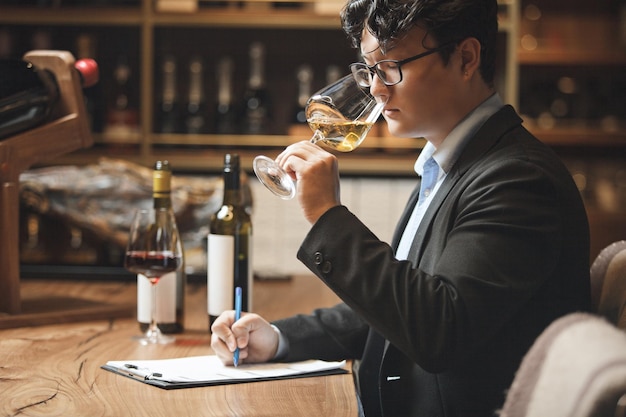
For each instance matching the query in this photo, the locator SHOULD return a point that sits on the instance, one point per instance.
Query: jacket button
(318, 258)
(327, 267)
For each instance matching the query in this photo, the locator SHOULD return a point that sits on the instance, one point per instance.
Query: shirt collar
(453, 144)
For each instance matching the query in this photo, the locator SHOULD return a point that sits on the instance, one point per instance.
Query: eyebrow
(369, 52)
(365, 54)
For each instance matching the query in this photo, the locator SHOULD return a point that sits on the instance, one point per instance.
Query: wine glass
(340, 116)
(154, 249)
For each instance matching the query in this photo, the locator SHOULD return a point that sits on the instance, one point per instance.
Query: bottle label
(220, 273)
(166, 299)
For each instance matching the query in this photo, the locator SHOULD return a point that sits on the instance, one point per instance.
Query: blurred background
(189, 80)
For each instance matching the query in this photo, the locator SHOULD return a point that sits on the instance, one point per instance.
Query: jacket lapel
(404, 218)
(485, 138)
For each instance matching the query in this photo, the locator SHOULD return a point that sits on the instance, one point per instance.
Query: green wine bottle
(229, 263)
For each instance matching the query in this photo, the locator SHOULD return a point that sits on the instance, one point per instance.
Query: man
(495, 250)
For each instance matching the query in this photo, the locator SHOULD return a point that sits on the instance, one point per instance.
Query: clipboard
(203, 371)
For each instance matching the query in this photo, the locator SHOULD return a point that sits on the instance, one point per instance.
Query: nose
(378, 89)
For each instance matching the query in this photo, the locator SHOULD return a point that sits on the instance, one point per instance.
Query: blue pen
(237, 317)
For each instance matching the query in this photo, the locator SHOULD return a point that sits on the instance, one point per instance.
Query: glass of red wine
(154, 249)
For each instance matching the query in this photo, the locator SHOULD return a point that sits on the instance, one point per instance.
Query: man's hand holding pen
(251, 334)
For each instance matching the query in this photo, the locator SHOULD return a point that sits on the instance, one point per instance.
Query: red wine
(170, 293)
(152, 264)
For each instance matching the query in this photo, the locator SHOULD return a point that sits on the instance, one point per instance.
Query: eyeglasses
(388, 70)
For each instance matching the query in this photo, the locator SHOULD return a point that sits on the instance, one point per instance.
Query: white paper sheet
(210, 369)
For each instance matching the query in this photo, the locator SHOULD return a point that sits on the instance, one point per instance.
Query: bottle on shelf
(122, 118)
(32, 246)
(41, 39)
(298, 125)
(256, 106)
(225, 112)
(229, 262)
(79, 251)
(305, 79)
(168, 109)
(196, 111)
(171, 289)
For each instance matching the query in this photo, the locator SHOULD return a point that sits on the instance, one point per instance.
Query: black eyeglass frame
(374, 69)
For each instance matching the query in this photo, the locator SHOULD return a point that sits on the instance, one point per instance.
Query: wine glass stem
(317, 135)
(153, 332)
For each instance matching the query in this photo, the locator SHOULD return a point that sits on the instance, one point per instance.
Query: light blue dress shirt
(445, 156)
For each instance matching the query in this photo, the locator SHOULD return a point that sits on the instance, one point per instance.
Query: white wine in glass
(340, 115)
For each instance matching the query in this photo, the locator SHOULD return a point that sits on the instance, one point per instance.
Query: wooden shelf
(279, 19)
(72, 16)
(572, 57)
(558, 36)
(211, 160)
(378, 152)
(372, 142)
(580, 136)
(132, 16)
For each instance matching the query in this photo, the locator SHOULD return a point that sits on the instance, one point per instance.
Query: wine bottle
(41, 39)
(256, 99)
(168, 111)
(28, 94)
(33, 249)
(304, 77)
(225, 114)
(195, 118)
(79, 251)
(229, 246)
(171, 289)
(122, 119)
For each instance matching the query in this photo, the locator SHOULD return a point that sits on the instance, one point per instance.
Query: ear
(470, 56)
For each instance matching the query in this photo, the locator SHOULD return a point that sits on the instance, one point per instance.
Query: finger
(302, 150)
(221, 329)
(221, 350)
(241, 330)
(260, 341)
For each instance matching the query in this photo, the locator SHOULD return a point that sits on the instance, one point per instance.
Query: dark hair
(447, 21)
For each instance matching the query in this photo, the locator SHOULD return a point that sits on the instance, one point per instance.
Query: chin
(398, 130)
(393, 129)
(399, 133)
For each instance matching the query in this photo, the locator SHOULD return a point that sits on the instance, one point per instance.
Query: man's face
(424, 103)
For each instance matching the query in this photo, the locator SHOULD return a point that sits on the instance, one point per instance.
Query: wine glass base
(156, 338)
(274, 178)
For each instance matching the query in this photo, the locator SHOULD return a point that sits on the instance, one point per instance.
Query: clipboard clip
(141, 373)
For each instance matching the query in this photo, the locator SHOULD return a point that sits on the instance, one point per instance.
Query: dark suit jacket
(502, 251)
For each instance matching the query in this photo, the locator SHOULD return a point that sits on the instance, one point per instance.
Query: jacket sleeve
(496, 244)
(335, 333)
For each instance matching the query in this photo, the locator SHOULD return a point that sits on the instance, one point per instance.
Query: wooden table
(54, 370)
